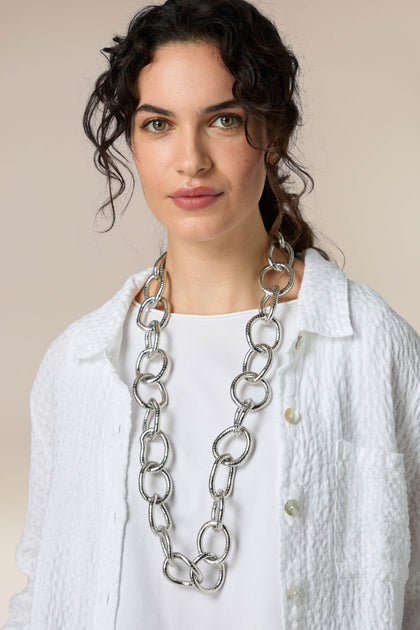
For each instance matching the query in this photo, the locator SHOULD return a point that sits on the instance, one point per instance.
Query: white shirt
(352, 461)
(206, 353)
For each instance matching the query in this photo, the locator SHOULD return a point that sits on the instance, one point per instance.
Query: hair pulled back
(264, 72)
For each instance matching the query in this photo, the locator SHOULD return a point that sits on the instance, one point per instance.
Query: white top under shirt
(205, 354)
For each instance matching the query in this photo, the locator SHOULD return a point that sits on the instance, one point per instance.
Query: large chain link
(159, 517)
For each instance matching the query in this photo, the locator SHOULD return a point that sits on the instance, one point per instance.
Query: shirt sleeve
(406, 396)
(27, 551)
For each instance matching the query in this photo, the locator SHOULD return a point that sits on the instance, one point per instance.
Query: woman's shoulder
(373, 329)
(369, 309)
(95, 330)
(388, 343)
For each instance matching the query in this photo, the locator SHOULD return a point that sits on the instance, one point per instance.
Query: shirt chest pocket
(371, 533)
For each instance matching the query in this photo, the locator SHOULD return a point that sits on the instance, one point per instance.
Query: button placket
(292, 500)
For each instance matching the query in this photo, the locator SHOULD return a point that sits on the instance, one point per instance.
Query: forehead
(189, 72)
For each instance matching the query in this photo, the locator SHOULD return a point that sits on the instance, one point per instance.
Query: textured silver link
(201, 533)
(235, 432)
(207, 557)
(222, 459)
(250, 378)
(157, 529)
(149, 436)
(152, 336)
(158, 275)
(159, 268)
(159, 292)
(279, 267)
(260, 348)
(152, 430)
(194, 571)
(153, 412)
(152, 302)
(165, 543)
(267, 322)
(151, 354)
(241, 413)
(274, 297)
(148, 378)
(281, 243)
(157, 498)
(217, 512)
(262, 284)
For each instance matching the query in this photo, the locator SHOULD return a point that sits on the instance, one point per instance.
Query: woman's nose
(192, 154)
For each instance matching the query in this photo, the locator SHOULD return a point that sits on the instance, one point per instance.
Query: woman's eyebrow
(219, 106)
(153, 109)
(165, 112)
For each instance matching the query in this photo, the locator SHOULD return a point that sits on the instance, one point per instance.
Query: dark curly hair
(264, 72)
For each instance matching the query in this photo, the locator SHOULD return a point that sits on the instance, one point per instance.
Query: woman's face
(188, 139)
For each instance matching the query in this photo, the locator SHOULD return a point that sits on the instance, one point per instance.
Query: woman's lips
(195, 198)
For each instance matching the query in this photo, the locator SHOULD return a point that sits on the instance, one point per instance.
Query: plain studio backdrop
(361, 101)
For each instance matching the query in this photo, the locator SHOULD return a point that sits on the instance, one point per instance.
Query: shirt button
(299, 342)
(292, 507)
(294, 593)
(292, 415)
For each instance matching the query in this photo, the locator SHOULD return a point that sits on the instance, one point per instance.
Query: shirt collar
(323, 298)
(323, 307)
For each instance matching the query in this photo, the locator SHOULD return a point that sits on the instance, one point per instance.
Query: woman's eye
(156, 125)
(226, 121)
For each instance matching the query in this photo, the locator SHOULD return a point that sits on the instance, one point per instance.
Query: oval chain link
(152, 429)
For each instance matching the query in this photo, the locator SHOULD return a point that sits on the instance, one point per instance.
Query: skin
(191, 147)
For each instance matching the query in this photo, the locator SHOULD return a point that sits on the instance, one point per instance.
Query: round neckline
(249, 312)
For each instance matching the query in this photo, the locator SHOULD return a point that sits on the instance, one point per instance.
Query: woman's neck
(220, 277)
(205, 281)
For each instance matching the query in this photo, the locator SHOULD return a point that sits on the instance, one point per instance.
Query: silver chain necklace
(159, 517)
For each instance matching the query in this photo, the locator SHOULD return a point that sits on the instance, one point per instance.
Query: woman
(242, 403)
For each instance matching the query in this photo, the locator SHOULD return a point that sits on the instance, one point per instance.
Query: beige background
(361, 97)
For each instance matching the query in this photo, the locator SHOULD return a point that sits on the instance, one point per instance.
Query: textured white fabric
(205, 353)
(353, 463)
